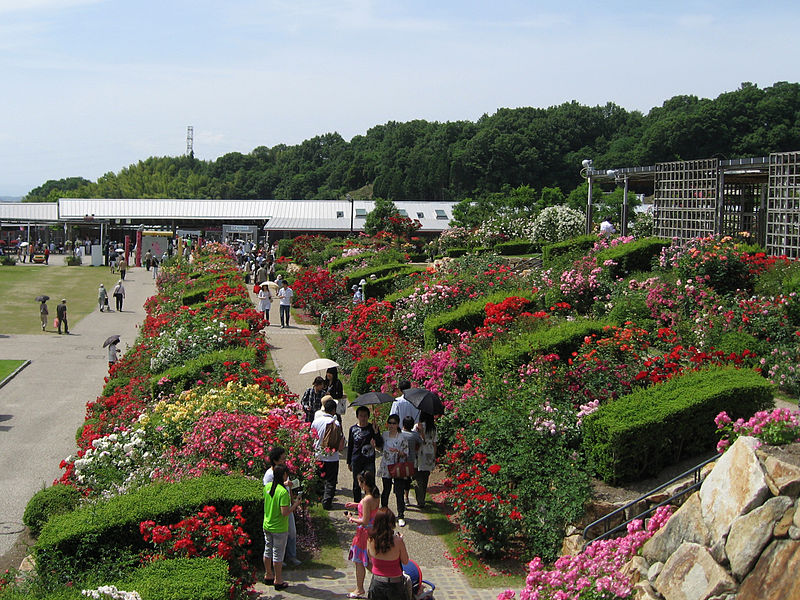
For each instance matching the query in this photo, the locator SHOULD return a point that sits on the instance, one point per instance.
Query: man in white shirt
(402, 407)
(328, 457)
(285, 295)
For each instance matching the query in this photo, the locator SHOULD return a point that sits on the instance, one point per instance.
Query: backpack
(333, 437)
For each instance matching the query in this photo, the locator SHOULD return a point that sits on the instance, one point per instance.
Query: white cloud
(19, 6)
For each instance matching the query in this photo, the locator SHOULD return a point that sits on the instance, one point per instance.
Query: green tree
(379, 218)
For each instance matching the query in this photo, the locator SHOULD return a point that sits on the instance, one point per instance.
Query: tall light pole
(350, 199)
(586, 172)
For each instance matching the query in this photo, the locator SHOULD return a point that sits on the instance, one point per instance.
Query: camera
(347, 513)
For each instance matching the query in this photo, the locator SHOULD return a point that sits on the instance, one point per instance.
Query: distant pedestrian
(285, 295)
(327, 457)
(607, 229)
(148, 259)
(46, 255)
(119, 294)
(102, 297)
(61, 314)
(358, 298)
(261, 275)
(113, 353)
(44, 314)
(426, 457)
(154, 264)
(264, 301)
(123, 268)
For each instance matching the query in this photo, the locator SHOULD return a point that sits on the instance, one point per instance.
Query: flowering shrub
(186, 342)
(303, 246)
(584, 284)
(781, 426)
(316, 288)
(717, 259)
(208, 534)
(556, 224)
(784, 368)
(455, 237)
(110, 591)
(597, 572)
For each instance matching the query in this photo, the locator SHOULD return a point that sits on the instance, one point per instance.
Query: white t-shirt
(319, 425)
(286, 294)
(403, 408)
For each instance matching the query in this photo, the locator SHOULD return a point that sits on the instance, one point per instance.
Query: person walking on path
(362, 440)
(366, 513)
(388, 554)
(277, 508)
(395, 450)
(154, 264)
(312, 398)
(414, 444)
(264, 301)
(148, 260)
(402, 407)
(119, 294)
(44, 313)
(426, 457)
(102, 297)
(123, 268)
(328, 457)
(260, 275)
(277, 458)
(113, 354)
(61, 314)
(334, 388)
(285, 295)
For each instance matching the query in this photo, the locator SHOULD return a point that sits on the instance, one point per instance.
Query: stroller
(420, 589)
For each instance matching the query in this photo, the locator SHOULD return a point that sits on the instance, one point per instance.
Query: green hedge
(71, 543)
(379, 271)
(380, 287)
(576, 246)
(516, 248)
(340, 264)
(180, 579)
(456, 252)
(399, 294)
(183, 377)
(54, 500)
(114, 384)
(562, 339)
(467, 316)
(637, 435)
(196, 296)
(358, 376)
(633, 257)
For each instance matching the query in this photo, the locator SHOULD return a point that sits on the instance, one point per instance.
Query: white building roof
(22, 212)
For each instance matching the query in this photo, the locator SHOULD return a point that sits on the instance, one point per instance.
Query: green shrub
(380, 287)
(113, 384)
(358, 377)
(568, 248)
(482, 250)
(637, 435)
(196, 296)
(379, 271)
(7, 260)
(54, 500)
(180, 579)
(562, 339)
(284, 248)
(467, 316)
(456, 252)
(72, 261)
(636, 256)
(180, 378)
(402, 293)
(72, 543)
(516, 248)
(341, 264)
(418, 257)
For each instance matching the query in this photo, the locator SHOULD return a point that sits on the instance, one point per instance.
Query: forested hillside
(536, 147)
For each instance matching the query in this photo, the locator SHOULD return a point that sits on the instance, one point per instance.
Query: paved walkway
(42, 407)
(291, 350)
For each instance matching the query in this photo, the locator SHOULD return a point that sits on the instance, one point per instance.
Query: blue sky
(91, 86)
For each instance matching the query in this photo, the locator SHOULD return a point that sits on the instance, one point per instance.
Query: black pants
(118, 298)
(329, 473)
(382, 590)
(122, 275)
(399, 494)
(422, 487)
(64, 323)
(360, 464)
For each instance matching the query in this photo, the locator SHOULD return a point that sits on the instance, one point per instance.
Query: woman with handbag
(394, 460)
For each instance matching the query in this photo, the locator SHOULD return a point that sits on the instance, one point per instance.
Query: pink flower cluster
(780, 426)
(597, 570)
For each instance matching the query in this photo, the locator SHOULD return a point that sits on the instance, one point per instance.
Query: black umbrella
(372, 398)
(111, 340)
(42, 298)
(425, 400)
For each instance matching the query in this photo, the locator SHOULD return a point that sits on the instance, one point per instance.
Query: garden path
(41, 408)
(291, 349)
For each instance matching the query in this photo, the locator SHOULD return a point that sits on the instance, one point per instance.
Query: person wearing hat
(358, 297)
(119, 293)
(102, 297)
(61, 313)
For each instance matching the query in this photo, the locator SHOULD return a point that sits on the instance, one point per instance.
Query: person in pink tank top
(367, 508)
(387, 552)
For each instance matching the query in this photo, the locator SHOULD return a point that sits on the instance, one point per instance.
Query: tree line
(536, 149)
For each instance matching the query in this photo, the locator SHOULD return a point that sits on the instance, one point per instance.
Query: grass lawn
(330, 555)
(7, 367)
(20, 284)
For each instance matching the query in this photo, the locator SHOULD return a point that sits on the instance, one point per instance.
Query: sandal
(356, 595)
(269, 581)
(281, 586)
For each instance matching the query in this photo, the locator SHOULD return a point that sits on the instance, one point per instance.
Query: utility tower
(190, 141)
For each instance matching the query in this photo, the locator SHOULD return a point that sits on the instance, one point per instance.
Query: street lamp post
(586, 172)
(350, 199)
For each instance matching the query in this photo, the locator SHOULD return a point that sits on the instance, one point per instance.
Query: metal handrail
(694, 471)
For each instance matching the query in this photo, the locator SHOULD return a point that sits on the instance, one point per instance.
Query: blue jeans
(285, 314)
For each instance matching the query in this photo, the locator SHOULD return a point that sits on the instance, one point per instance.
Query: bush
(572, 248)
(72, 543)
(180, 579)
(196, 296)
(639, 434)
(115, 383)
(516, 248)
(562, 339)
(72, 261)
(55, 500)
(380, 287)
(360, 380)
(456, 252)
(379, 271)
(7, 260)
(556, 224)
(341, 264)
(467, 316)
(636, 256)
(177, 379)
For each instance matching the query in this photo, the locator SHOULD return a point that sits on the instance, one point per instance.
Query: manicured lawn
(20, 284)
(7, 367)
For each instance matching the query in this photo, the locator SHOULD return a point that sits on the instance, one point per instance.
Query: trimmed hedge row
(562, 339)
(339, 264)
(48, 502)
(467, 316)
(639, 434)
(455, 252)
(180, 378)
(633, 257)
(379, 271)
(380, 287)
(181, 579)
(72, 542)
(516, 247)
(577, 246)
(112, 385)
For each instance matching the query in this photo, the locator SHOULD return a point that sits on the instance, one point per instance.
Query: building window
(403, 212)
(361, 212)
(440, 214)
(420, 215)
(339, 214)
